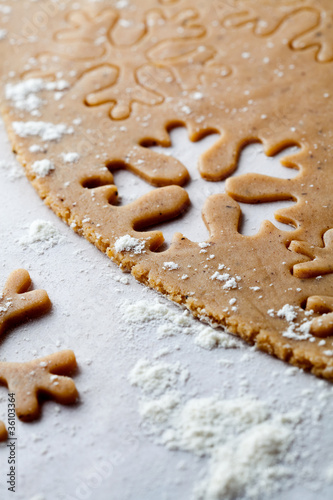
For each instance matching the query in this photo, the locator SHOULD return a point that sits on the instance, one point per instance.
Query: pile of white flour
(171, 321)
(248, 448)
(41, 236)
(11, 169)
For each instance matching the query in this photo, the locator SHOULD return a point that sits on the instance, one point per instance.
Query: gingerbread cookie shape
(104, 83)
(322, 262)
(17, 303)
(47, 376)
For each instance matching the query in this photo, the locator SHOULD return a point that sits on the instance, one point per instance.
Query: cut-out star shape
(322, 262)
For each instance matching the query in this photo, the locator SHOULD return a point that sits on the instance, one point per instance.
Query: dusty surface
(99, 446)
(120, 79)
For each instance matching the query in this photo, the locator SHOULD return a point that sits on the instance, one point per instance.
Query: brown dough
(252, 70)
(3, 432)
(40, 376)
(17, 304)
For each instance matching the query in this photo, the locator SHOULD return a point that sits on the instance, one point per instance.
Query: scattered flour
(120, 278)
(288, 312)
(23, 94)
(46, 131)
(159, 411)
(209, 338)
(230, 282)
(5, 9)
(12, 170)
(3, 34)
(246, 446)
(41, 236)
(70, 157)
(4, 306)
(294, 331)
(36, 148)
(144, 311)
(204, 422)
(158, 377)
(301, 332)
(42, 168)
(171, 320)
(248, 466)
(129, 244)
(170, 266)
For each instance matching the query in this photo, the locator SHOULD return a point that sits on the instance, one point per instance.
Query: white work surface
(98, 448)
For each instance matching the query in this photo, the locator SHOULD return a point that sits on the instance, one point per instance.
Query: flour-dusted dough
(104, 81)
(40, 376)
(17, 303)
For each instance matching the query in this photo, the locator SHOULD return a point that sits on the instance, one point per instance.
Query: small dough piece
(17, 304)
(323, 325)
(3, 432)
(45, 376)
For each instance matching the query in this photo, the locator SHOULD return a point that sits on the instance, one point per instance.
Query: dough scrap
(40, 376)
(44, 375)
(18, 304)
(251, 70)
(3, 432)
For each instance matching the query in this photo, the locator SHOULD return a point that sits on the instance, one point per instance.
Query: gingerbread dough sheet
(89, 96)
(98, 445)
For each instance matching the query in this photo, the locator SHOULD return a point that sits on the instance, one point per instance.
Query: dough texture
(85, 91)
